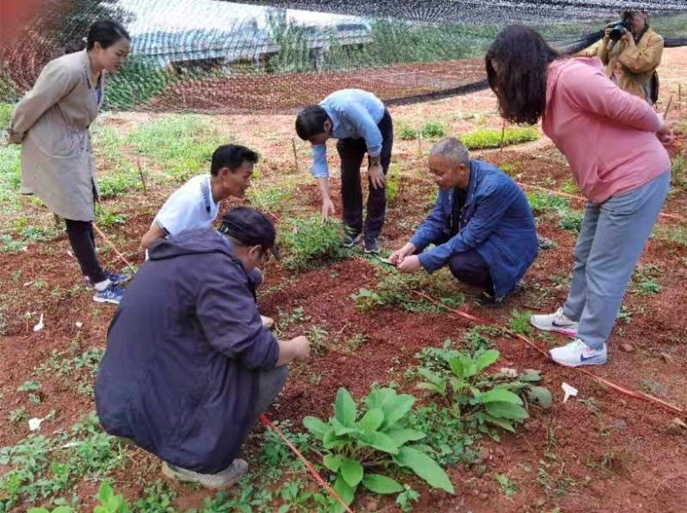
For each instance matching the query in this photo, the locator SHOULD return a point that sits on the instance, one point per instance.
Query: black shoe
(372, 248)
(487, 300)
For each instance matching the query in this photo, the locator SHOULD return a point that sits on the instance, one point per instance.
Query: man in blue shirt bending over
(482, 225)
(361, 124)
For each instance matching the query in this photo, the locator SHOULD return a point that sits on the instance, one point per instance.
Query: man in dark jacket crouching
(189, 366)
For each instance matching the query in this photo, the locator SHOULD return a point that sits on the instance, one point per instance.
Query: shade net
(273, 57)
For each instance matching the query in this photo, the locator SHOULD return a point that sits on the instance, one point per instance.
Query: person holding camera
(631, 52)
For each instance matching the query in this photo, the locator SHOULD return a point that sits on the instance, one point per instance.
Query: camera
(619, 28)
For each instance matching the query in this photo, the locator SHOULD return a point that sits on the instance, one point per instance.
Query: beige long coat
(51, 123)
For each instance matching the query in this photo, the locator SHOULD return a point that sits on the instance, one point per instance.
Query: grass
(40, 468)
(487, 138)
(679, 172)
(180, 146)
(5, 115)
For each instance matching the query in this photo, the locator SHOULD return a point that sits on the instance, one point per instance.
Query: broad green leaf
(345, 408)
(346, 492)
(340, 429)
(433, 388)
(502, 423)
(315, 426)
(486, 359)
(530, 376)
(425, 467)
(330, 440)
(377, 483)
(333, 463)
(403, 436)
(397, 409)
(430, 376)
(541, 396)
(499, 395)
(379, 397)
(352, 471)
(506, 411)
(379, 441)
(456, 365)
(372, 420)
(285, 508)
(106, 493)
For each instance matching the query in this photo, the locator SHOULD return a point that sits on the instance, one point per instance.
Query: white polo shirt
(190, 207)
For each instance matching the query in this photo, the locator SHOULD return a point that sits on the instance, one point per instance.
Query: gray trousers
(612, 238)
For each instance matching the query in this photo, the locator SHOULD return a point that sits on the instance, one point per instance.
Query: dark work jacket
(496, 221)
(184, 353)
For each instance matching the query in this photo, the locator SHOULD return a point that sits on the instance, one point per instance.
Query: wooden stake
(419, 144)
(679, 94)
(670, 102)
(503, 135)
(295, 154)
(142, 176)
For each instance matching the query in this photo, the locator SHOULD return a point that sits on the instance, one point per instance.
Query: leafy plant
(29, 386)
(507, 486)
(367, 300)
(433, 130)
(309, 242)
(572, 221)
(491, 138)
(520, 322)
(357, 444)
(542, 203)
(109, 502)
(480, 399)
(406, 133)
(159, 498)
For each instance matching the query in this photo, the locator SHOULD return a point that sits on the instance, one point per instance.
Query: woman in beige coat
(51, 123)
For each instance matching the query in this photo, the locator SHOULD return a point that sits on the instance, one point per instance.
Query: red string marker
(474, 318)
(320, 480)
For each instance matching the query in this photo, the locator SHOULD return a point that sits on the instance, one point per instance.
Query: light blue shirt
(355, 114)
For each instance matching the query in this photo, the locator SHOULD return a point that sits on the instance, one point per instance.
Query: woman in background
(51, 123)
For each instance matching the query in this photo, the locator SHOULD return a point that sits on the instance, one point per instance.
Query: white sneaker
(267, 322)
(555, 322)
(577, 353)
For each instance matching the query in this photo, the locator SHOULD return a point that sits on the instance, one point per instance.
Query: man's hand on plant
(398, 256)
(410, 264)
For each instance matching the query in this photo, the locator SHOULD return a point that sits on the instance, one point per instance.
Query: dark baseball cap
(250, 227)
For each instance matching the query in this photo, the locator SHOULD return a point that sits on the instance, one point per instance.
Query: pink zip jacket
(607, 135)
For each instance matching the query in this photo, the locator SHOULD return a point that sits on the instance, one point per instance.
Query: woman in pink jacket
(613, 142)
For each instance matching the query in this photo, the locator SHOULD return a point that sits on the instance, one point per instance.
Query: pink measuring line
(111, 244)
(474, 318)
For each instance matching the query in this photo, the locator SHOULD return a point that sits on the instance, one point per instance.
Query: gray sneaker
(349, 241)
(223, 479)
(371, 247)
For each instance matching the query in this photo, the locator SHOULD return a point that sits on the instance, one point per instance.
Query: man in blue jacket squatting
(482, 225)
(189, 365)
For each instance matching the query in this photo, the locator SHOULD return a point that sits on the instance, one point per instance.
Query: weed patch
(490, 138)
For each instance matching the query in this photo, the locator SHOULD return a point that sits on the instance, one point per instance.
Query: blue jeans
(612, 238)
